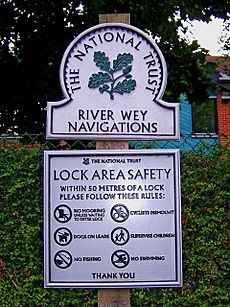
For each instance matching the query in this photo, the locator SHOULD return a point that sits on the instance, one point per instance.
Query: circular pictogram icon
(120, 259)
(119, 213)
(63, 259)
(63, 236)
(63, 213)
(120, 236)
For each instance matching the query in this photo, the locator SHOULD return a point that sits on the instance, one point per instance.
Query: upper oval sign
(113, 77)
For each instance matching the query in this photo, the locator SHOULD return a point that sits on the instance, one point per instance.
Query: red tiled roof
(223, 63)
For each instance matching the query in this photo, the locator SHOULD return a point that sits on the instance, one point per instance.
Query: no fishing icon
(63, 259)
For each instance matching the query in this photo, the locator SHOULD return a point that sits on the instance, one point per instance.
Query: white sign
(112, 219)
(113, 77)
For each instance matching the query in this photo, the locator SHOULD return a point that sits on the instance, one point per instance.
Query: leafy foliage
(205, 204)
(205, 225)
(21, 248)
(34, 35)
(121, 63)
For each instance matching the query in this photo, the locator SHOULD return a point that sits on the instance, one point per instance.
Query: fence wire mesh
(188, 142)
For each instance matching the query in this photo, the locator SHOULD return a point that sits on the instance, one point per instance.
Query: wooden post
(113, 297)
(123, 18)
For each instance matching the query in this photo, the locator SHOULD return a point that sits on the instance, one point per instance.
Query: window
(204, 117)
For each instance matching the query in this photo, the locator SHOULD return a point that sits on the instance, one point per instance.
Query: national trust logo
(112, 74)
(97, 48)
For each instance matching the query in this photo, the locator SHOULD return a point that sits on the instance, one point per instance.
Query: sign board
(112, 219)
(113, 77)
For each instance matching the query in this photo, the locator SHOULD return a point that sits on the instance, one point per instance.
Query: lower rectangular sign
(112, 219)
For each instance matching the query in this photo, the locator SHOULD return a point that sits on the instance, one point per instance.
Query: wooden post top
(121, 18)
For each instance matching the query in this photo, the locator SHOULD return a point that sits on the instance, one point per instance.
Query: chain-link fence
(188, 142)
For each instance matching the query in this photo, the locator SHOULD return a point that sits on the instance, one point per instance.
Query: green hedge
(205, 199)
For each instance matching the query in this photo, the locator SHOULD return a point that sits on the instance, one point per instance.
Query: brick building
(221, 79)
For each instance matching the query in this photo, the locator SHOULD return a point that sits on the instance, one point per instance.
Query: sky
(207, 34)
